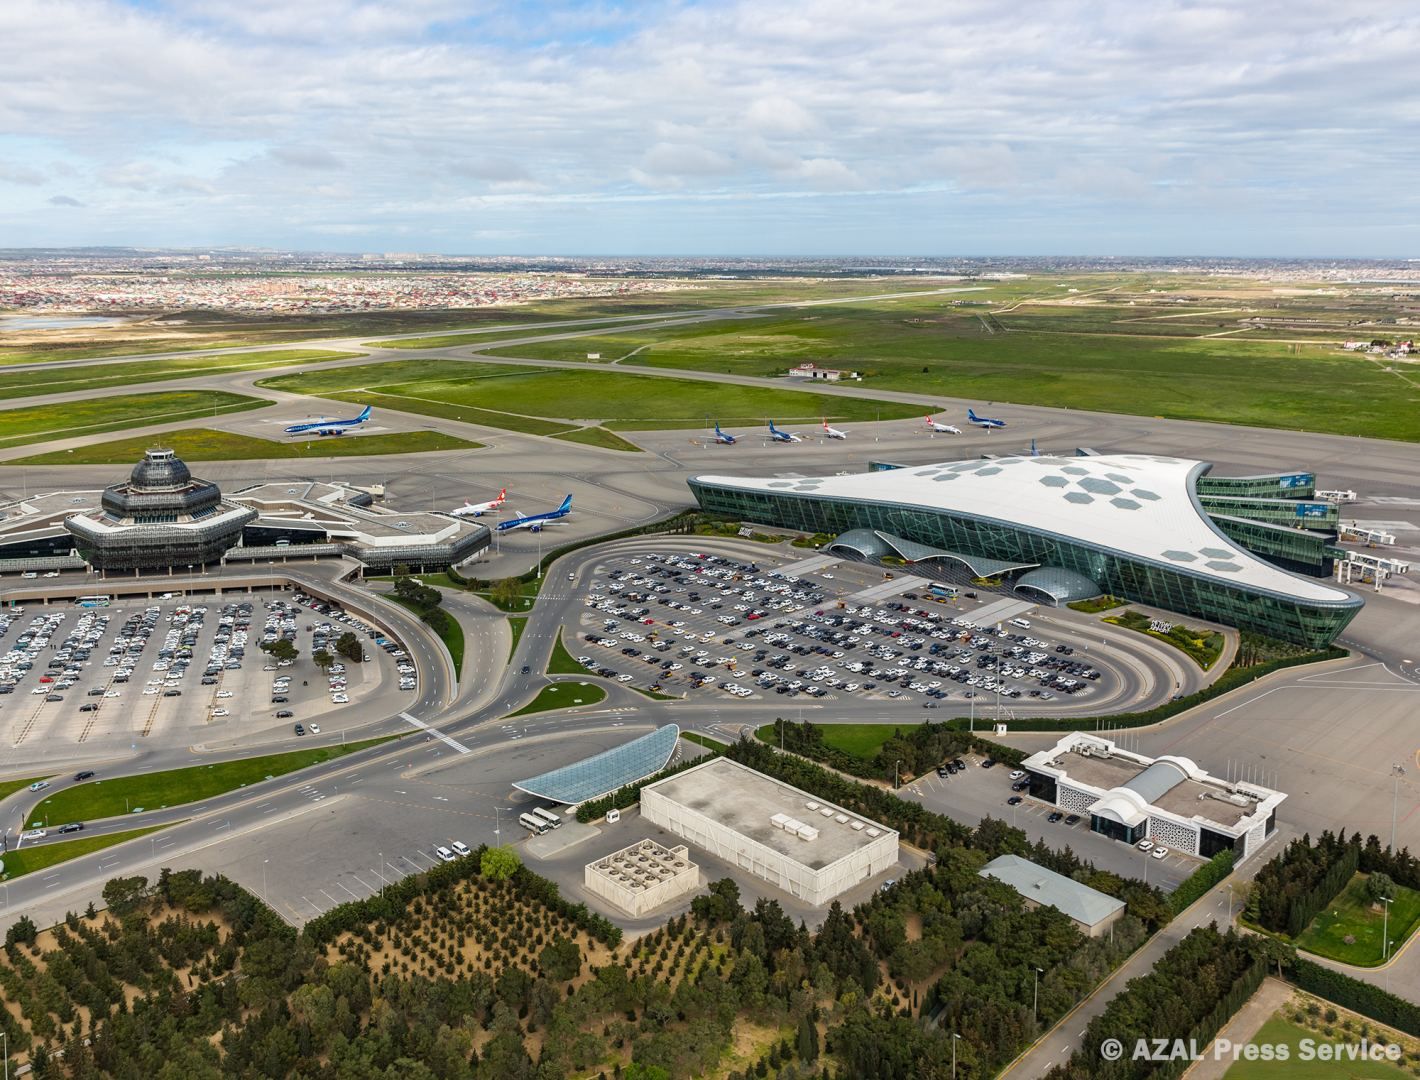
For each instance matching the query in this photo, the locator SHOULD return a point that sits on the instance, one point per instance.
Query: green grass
(522, 398)
(153, 791)
(1278, 1031)
(205, 444)
(18, 384)
(527, 594)
(655, 695)
(1203, 647)
(861, 740)
(562, 662)
(599, 436)
(702, 740)
(9, 787)
(449, 629)
(1086, 357)
(1350, 914)
(517, 624)
(562, 696)
(1098, 604)
(43, 423)
(28, 860)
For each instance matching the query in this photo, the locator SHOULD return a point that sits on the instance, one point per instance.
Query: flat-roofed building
(642, 877)
(1089, 909)
(1168, 800)
(797, 842)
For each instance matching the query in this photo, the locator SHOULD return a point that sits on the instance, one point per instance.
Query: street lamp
(1397, 770)
(1385, 927)
(263, 880)
(382, 875)
(955, 1037)
(896, 782)
(1035, 997)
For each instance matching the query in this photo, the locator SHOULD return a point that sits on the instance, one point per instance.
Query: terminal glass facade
(1300, 485)
(1312, 623)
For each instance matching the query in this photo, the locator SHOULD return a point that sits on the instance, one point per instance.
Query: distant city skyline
(811, 128)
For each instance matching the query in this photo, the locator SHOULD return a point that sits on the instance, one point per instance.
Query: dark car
(1014, 800)
(943, 771)
(172, 693)
(1020, 785)
(526, 669)
(1073, 819)
(89, 707)
(279, 700)
(988, 763)
(73, 826)
(285, 714)
(300, 729)
(85, 775)
(1055, 816)
(54, 697)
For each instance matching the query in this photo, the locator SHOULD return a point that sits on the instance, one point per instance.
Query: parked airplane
(984, 421)
(722, 438)
(1033, 451)
(782, 436)
(535, 522)
(945, 429)
(469, 509)
(329, 427)
(833, 432)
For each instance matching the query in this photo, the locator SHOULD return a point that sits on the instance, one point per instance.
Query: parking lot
(973, 793)
(173, 671)
(687, 622)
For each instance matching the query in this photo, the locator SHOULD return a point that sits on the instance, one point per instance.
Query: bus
(94, 601)
(548, 817)
(534, 825)
(943, 592)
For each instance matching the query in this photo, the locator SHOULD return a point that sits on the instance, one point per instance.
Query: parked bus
(943, 592)
(547, 816)
(533, 825)
(94, 601)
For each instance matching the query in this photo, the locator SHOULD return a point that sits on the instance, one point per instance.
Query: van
(1022, 623)
(533, 824)
(551, 820)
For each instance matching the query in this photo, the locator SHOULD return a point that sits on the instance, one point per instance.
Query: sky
(714, 127)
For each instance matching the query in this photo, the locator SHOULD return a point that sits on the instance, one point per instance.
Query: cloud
(305, 157)
(20, 174)
(64, 200)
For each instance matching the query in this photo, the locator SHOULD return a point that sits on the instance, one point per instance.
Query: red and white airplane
(492, 506)
(945, 429)
(833, 432)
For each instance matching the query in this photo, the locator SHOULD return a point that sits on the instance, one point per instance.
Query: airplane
(330, 427)
(945, 429)
(782, 436)
(833, 432)
(984, 421)
(1033, 451)
(535, 522)
(721, 437)
(469, 509)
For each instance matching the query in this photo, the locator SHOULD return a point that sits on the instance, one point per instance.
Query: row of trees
(1300, 881)
(918, 749)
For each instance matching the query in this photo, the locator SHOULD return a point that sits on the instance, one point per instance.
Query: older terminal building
(1168, 800)
(1150, 529)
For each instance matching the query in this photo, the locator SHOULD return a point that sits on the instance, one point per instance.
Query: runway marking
(460, 747)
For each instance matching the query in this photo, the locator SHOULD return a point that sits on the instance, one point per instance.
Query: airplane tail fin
(970, 413)
(502, 494)
(566, 505)
(364, 413)
(771, 426)
(1033, 451)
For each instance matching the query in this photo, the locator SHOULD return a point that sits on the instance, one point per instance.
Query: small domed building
(161, 517)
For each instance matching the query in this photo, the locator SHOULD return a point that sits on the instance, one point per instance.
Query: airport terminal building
(1070, 528)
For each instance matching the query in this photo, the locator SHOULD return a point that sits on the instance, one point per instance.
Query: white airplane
(328, 426)
(984, 421)
(492, 506)
(945, 429)
(833, 432)
(776, 435)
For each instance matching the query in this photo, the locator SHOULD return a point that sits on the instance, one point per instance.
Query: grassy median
(176, 787)
(103, 413)
(28, 860)
(205, 444)
(563, 696)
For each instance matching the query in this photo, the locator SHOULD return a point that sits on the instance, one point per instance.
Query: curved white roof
(1139, 505)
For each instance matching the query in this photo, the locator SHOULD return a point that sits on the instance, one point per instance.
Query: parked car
(1055, 815)
(1014, 800)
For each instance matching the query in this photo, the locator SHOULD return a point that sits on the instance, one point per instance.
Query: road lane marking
(460, 747)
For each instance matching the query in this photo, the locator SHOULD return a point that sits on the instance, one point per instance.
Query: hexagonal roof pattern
(1140, 505)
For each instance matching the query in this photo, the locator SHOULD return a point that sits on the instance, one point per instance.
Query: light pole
(5, 1035)
(955, 1037)
(1385, 928)
(1035, 997)
(896, 781)
(1397, 770)
(382, 875)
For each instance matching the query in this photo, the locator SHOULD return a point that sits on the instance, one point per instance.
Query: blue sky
(723, 127)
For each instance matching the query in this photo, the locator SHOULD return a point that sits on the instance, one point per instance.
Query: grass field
(1203, 647)
(18, 384)
(1113, 354)
(599, 436)
(563, 696)
(523, 398)
(205, 444)
(153, 791)
(1282, 1032)
(562, 662)
(450, 630)
(517, 624)
(1350, 915)
(861, 740)
(43, 423)
(9, 787)
(28, 860)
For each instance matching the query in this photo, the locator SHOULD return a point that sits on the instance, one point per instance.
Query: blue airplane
(984, 421)
(535, 522)
(1033, 451)
(723, 438)
(782, 436)
(330, 427)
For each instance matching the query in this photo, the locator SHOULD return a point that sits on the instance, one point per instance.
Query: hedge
(629, 795)
(1202, 879)
(1362, 997)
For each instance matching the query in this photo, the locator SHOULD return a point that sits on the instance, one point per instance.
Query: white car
(1158, 853)
(1145, 845)
(315, 729)
(34, 834)
(461, 848)
(340, 699)
(445, 855)
(220, 712)
(1017, 774)
(224, 693)
(39, 785)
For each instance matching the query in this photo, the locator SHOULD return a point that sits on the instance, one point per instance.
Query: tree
(507, 592)
(280, 649)
(350, 647)
(322, 659)
(23, 930)
(1380, 885)
(807, 1042)
(122, 894)
(499, 863)
(561, 961)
